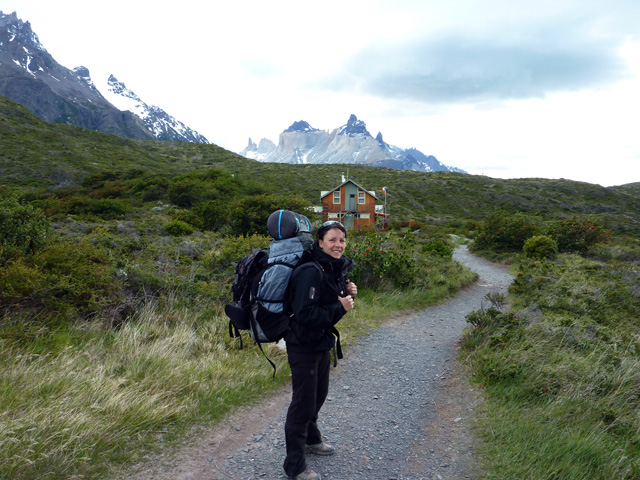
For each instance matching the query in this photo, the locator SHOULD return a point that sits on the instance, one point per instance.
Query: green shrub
(141, 280)
(503, 232)
(105, 208)
(382, 259)
(23, 229)
(540, 247)
(577, 235)
(99, 179)
(209, 215)
(232, 249)
(110, 189)
(19, 278)
(64, 278)
(152, 188)
(185, 192)
(248, 215)
(177, 228)
(437, 247)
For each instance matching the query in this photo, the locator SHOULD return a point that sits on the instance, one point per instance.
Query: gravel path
(397, 408)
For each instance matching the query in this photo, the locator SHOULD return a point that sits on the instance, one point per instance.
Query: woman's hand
(347, 302)
(352, 288)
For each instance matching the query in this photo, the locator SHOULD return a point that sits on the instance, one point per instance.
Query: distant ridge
(350, 143)
(37, 156)
(31, 76)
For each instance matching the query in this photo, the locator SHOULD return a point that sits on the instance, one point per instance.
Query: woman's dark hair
(326, 226)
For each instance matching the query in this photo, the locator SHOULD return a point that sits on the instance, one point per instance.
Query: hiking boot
(307, 475)
(320, 449)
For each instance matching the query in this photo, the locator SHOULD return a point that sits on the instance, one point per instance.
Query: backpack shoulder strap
(307, 264)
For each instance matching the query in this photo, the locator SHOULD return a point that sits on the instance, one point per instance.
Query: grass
(561, 369)
(105, 394)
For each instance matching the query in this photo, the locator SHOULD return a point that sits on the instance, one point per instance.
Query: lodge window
(361, 198)
(336, 197)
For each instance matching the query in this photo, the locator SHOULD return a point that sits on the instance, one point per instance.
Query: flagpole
(386, 212)
(386, 208)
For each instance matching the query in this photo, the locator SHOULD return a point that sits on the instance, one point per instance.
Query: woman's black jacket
(314, 301)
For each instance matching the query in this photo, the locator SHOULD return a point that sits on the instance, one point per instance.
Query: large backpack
(261, 287)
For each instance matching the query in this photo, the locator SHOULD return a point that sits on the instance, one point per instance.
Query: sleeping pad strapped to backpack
(261, 287)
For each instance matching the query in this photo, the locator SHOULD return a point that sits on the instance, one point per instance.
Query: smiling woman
(320, 296)
(332, 238)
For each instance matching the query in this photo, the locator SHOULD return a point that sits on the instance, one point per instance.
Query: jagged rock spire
(355, 126)
(300, 126)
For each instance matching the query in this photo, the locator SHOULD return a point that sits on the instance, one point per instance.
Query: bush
(541, 247)
(64, 278)
(248, 215)
(381, 260)
(23, 229)
(177, 228)
(502, 232)
(437, 247)
(105, 208)
(577, 235)
(185, 192)
(209, 215)
(152, 188)
(232, 249)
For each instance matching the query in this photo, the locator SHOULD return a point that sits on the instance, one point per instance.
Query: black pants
(310, 385)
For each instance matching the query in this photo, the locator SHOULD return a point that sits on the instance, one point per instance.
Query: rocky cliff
(350, 143)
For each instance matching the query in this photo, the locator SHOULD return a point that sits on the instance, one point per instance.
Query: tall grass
(73, 410)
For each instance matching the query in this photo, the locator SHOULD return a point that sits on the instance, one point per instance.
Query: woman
(319, 299)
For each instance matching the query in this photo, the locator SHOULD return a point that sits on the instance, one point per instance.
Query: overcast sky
(504, 88)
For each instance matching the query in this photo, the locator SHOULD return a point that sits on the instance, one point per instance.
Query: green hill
(40, 156)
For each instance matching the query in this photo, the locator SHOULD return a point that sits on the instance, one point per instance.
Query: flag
(384, 189)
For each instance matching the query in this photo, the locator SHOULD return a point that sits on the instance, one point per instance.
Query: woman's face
(333, 242)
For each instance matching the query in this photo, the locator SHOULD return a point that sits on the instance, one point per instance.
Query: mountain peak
(160, 123)
(354, 127)
(300, 126)
(350, 144)
(31, 76)
(119, 88)
(17, 28)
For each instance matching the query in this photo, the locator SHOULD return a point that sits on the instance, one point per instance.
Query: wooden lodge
(350, 204)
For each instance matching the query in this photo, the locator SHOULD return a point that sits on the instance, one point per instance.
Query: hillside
(36, 156)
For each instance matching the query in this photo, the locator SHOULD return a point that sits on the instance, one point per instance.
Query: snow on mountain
(351, 143)
(31, 76)
(163, 125)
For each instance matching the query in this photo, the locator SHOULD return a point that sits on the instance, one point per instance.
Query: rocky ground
(399, 408)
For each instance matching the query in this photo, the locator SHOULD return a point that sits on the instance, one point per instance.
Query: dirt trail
(399, 408)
